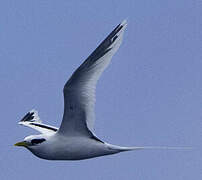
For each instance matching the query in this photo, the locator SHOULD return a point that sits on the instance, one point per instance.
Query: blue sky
(149, 95)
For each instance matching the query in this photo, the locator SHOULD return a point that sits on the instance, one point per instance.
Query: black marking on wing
(44, 126)
(103, 48)
(98, 56)
(114, 38)
(28, 117)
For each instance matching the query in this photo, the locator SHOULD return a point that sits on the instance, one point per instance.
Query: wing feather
(32, 120)
(79, 91)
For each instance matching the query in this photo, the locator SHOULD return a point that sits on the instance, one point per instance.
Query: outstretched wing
(32, 120)
(79, 91)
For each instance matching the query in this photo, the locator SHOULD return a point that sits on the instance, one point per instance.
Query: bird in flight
(75, 139)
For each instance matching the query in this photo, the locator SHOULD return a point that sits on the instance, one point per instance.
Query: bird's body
(75, 139)
(59, 147)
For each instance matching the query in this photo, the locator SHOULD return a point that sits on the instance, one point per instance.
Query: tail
(121, 148)
(161, 147)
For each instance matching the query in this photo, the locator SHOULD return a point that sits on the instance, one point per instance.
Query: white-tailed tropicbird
(75, 139)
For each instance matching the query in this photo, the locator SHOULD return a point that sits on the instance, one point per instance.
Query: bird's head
(31, 141)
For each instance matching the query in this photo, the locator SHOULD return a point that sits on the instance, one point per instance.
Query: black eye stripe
(37, 141)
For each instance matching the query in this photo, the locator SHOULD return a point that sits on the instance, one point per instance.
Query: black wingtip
(120, 26)
(28, 117)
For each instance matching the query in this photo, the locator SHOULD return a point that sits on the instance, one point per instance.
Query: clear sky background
(151, 94)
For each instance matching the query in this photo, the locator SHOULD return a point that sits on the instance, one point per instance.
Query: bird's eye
(37, 141)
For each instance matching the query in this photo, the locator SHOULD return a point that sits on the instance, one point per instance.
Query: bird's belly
(75, 149)
(82, 151)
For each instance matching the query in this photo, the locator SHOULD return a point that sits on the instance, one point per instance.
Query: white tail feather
(164, 147)
(121, 148)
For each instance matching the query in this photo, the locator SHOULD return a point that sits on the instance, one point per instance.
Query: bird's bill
(22, 143)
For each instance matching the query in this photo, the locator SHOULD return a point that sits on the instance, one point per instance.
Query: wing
(79, 91)
(32, 120)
